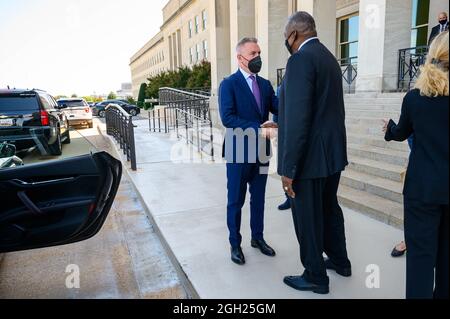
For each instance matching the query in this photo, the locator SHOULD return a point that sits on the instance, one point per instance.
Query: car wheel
(67, 137)
(133, 112)
(101, 114)
(56, 148)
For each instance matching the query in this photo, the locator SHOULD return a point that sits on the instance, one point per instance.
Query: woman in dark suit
(426, 198)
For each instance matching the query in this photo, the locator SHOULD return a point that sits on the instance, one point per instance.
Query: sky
(70, 47)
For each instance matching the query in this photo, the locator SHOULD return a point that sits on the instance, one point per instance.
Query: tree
(141, 96)
(112, 96)
(74, 95)
(201, 76)
(131, 100)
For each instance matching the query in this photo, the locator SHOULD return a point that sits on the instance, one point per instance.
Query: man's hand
(269, 130)
(269, 124)
(287, 186)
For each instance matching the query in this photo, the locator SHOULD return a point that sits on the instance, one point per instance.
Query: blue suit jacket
(239, 110)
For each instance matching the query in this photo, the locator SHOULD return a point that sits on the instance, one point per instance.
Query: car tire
(133, 112)
(67, 138)
(56, 148)
(101, 114)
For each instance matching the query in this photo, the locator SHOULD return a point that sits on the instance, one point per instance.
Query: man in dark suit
(245, 101)
(313, 153)
(441, 27)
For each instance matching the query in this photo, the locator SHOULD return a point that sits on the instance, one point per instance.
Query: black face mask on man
(254, 65)
(288, 46)
(444, 21)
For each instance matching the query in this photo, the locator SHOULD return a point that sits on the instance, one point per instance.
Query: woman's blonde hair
(433, 78)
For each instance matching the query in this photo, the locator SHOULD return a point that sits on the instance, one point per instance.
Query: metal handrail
(409, 62)
(119, 124)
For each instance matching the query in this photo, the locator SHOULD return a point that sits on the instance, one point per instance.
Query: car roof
(20, 91)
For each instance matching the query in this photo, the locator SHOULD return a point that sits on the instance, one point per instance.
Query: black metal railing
(187, 111)
(349, 67)
(119, 124)
(280, 76)
(196, 130)
(205, 91)
(409, 62)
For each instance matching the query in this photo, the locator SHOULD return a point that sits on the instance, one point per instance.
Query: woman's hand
(385, 125)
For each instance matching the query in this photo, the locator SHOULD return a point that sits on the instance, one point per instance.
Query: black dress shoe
(343, 271)
(286, 205)
(397, 253)
(300, 283)
(237, 256)
(265, 249)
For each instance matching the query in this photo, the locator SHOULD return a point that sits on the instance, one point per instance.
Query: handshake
(269, 130)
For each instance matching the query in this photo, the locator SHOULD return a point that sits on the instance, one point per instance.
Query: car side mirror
(7, 150)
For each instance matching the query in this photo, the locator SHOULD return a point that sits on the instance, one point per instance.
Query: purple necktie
(256, 92)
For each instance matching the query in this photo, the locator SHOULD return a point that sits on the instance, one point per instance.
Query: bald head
(443, 17)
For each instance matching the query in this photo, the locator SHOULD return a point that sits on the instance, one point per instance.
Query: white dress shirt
(309, 40)
(247, 78)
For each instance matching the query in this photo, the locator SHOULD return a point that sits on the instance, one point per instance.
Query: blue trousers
(239, 176)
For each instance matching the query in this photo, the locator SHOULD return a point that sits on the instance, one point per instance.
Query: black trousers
(319, 225)
(426, 234)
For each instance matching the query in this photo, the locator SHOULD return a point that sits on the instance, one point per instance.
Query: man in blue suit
(245, 101)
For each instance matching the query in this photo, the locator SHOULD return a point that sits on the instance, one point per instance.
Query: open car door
(57, 202)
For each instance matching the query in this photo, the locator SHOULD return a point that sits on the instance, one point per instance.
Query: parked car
(32, 118)
(77, 111)
(100, 108)
(56, 202)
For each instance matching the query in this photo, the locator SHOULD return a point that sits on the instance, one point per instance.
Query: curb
(185, 282)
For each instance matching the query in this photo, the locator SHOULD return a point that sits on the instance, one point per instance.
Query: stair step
(379, 114)
(378, 186)
(379, 154)
(392, 172)
(375, 131)
(377, 141)
(374, 122)
(371, 205)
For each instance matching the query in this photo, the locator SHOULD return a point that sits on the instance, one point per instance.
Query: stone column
(220, 50)
(324, 12)
(242, 24)
(436, 7)
(382, 33)
(262, 33)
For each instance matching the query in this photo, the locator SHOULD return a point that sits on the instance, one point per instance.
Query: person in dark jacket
(426, 198)
(441, 27)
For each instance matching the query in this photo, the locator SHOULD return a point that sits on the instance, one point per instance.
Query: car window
(22, 102)
(45, 102)
(74, 103)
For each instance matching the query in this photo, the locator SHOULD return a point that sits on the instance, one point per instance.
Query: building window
(348, 39)
(204, 19)
(419, 28)
(190, 29)
(197, 24)
(197, 54)
(205, 49)
(191, 55)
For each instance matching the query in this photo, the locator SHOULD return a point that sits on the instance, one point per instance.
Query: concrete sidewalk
(188, 203)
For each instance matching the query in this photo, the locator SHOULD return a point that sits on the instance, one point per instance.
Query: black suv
(100, 108)
(32, 118)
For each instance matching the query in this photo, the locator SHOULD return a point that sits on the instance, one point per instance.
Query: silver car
(77, 111)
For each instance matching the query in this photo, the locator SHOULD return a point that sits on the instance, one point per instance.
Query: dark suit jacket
(312, 135)
(238, 109)
(426, 118)
(435, 32)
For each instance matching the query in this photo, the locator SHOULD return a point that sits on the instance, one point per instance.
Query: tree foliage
(112, 96)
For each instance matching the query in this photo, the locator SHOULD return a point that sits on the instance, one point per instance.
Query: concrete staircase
(373, 182)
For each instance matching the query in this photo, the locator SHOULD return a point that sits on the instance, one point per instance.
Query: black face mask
(443, 21)
(254, 65)
(288, 46)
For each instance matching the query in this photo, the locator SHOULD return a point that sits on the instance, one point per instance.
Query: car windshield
(26, 102)
(75, 103)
